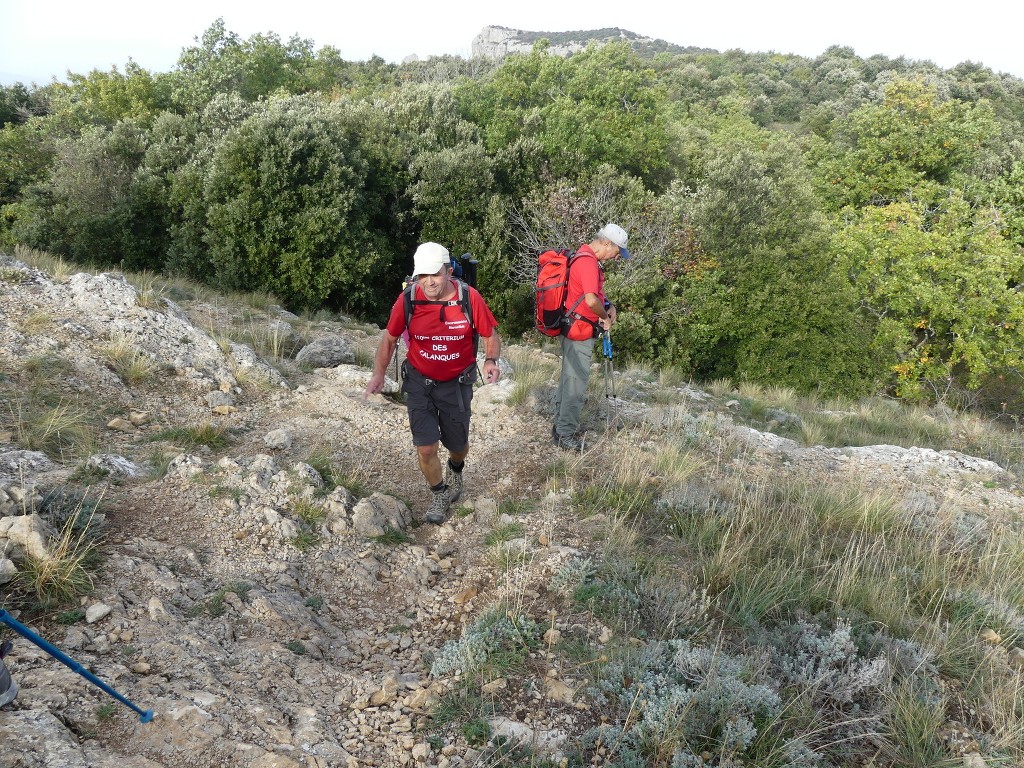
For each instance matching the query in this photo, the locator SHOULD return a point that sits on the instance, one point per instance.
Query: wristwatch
(490, 360)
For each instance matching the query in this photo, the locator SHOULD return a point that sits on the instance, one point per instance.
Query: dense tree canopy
(834, 223)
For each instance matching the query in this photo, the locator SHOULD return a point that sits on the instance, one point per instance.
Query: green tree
(26, 152)
(18, 103)
(450, 175)
(911, 144)
(944, 289)
(105, 98)
(1007, 195)
(769, 302)
(255, 68)
(601, 106)
(174, 171)
(88, 208)
(287, 210)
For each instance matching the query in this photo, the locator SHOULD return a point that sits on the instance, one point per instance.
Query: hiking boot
(453, 480)
(571, 443)
(437, 512)
(579, 434)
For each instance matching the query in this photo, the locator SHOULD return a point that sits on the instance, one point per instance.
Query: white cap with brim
(429, 258)
(617, 235)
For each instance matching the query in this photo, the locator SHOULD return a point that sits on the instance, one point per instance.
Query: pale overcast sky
(43, 39)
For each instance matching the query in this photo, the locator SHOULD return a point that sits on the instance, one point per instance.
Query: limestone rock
(498, 684)
(112, 464)
(388, 691)
(217, 398)
(496, 42)
(355, 377)
(1016, 658)
(27, 536)
(278, 439)
(15, 465)
(485, 511)
(374, 514)
(326, 351)
(97, 611)
(544, 741)
(35, 738)
(185, 465)
(556, 690)
(490, 398)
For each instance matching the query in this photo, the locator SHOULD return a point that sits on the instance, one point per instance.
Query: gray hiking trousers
(572, 386)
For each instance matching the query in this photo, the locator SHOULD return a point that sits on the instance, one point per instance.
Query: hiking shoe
(579, 434)
(437, 512)
(572, 443)
(453, 480)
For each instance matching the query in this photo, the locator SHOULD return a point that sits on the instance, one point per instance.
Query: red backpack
(551, 316)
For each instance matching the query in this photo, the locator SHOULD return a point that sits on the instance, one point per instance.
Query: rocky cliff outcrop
(497, 42)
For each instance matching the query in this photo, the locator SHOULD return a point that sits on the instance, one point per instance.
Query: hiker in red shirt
(439, 368)
(594, 314)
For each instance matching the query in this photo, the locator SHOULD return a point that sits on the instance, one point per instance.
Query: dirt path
(385, 610)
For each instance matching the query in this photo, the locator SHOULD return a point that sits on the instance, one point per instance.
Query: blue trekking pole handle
(5, 618)
(607, 344)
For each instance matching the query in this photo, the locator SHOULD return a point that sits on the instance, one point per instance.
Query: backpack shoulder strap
(408, 296)
(571, 257)
(462, 298)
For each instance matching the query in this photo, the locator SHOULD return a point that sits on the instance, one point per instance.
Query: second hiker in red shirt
(594, 315)
(445, 318)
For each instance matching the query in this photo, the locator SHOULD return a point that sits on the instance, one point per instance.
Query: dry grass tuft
(63, 575)
(133, 366)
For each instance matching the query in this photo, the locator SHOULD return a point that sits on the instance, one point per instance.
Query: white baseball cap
(617, 235)
(429, 258)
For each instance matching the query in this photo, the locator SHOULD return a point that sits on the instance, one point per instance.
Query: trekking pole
(609, 368)
(5, 618)
(609, 378)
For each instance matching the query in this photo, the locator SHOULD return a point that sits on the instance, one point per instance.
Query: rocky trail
(273, 617)
(255, 637)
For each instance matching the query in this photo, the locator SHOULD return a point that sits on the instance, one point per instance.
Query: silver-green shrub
(682, 699)
(828, 665)
(571, 576)
(494, 632)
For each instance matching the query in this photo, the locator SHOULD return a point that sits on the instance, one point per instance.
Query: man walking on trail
(440, 368)
(593, 315)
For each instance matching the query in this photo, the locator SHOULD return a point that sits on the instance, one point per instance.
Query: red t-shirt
(441, 350)
(585, 276)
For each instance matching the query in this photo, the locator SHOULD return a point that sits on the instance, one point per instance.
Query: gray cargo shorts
(439, 410)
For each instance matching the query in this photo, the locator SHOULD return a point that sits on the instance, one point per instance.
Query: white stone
(97, 611)
(8, 570)
(27, 536)
(278, 439)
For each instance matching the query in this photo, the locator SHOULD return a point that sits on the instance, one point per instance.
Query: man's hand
(375, 385)
(491, 372)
